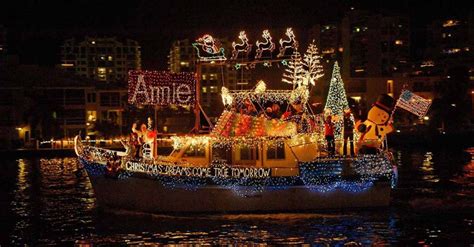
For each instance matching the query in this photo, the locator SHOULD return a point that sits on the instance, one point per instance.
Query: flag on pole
(413, 103)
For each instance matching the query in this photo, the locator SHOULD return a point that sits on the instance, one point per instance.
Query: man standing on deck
(329, 134)
(348, 131)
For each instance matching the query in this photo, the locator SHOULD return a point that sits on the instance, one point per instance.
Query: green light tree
(337, 102)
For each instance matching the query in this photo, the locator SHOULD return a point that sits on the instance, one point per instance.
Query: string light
(161, 88)
(231, 124)
(312, 63)
(243, 47)
(280, 96)
(321, 176)
(294, 73)
(290, 44)
(267, 46)
(209, 49)
(299, 94)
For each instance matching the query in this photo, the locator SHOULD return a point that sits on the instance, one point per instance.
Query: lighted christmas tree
(336, 102)
(294, 73)
(312, 64)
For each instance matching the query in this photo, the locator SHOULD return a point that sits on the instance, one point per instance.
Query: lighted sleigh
(247, 163)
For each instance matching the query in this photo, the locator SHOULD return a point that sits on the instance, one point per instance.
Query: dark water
(50, 201)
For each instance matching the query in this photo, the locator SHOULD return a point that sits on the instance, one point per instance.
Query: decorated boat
(247, 163)
(257, 157)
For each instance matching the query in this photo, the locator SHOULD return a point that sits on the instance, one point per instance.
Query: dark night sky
(36, 28)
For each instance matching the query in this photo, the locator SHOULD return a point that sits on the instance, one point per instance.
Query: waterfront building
(101, 59)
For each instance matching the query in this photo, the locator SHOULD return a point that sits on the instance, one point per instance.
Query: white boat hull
(147, 195)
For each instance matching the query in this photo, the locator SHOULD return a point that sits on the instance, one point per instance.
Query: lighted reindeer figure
(287, 44)
(207, 49)
(243, 47)
(266, 45)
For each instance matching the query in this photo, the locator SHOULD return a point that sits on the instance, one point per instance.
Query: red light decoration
(161, 88)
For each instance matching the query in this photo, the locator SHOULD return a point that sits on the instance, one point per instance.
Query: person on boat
(348, 132)
(248, 108)
(287, 114)
(134, 140)
(329, 134)
(142, 136)
(275, 111)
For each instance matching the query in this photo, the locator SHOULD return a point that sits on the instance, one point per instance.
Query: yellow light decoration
(300, 94)
(226, 97)
(261, 87)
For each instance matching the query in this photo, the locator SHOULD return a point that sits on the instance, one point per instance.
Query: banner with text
(161, 88)
(204, 172)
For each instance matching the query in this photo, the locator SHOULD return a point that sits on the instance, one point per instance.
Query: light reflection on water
(51, 201)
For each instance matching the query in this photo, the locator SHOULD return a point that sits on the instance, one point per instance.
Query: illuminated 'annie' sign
(161, 88)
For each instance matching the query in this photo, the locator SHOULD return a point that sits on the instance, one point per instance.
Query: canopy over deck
(232, 124)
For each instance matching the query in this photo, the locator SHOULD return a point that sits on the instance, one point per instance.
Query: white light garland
(294, 73)
(312, 63)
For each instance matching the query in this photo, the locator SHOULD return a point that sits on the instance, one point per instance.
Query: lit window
(328, 51)
(102, 74)
(427, 63)
(91, 116)
(213, 89)
(451, 51)
(110, 58)
(93, 42)
(204, 77)
(356, 98)
(399, 42)
(204, 89)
